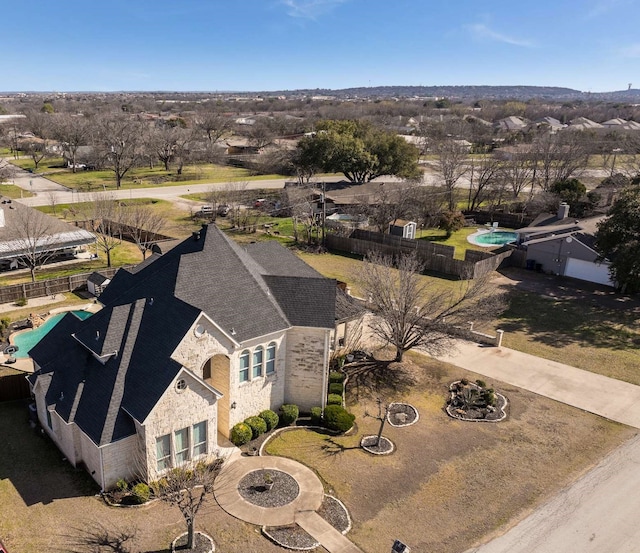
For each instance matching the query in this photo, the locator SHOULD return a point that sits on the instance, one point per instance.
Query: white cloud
(310, 9)
(483, 32)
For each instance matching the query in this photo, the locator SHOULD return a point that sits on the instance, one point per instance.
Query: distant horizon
(275, 90)
(279, 45)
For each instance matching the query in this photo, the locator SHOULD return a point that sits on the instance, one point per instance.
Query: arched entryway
(216, 373)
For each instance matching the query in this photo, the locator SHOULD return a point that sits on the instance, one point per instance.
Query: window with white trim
(163, 452)
(181, 441)
(271, 359)
(244, 366)
(257, 362)
(200, 439)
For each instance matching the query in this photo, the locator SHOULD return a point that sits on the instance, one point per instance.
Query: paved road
(597, 514)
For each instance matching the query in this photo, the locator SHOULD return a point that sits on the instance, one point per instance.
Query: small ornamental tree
(187, 487)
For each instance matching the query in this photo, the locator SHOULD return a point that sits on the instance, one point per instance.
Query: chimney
(563, 211)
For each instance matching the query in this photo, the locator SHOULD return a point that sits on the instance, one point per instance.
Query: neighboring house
(563, 246)
(187, 344)
(510, 124)
(26, 232)
(583, 124)
(550, 123)
(400, 227)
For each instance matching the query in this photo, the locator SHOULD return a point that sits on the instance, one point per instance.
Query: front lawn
(449, 483)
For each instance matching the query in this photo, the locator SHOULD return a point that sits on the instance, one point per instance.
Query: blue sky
(258, 45)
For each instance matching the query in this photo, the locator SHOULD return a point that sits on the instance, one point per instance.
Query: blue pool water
(496, 238)
(26, 340)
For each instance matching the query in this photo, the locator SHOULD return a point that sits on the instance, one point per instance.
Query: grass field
(139, 177)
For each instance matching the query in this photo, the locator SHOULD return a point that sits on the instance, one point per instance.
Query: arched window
(271, 359)
(257, 362)
(244, 366)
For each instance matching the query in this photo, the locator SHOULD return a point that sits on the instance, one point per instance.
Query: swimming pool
(493, 238)
(25, 340)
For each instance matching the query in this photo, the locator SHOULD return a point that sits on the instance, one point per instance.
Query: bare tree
(452, 164)
(71, 131)
(36, 149)
(143, 223)
(213, 125)
(558, 157)
(33, 235)
(187, 487)
(410, 314)
(120, 139)
(484, 175)
(390, 203)
(52, 196)
(104, 215)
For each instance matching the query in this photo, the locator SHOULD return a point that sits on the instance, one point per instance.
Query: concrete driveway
(607, 397)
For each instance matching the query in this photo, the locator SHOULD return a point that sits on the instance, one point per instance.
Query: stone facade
(307, 365)
(178, 409)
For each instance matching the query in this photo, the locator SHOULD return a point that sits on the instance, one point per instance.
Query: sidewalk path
(301, 510)
(607, 397)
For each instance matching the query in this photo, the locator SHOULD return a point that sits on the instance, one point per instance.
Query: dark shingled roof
(147, 312)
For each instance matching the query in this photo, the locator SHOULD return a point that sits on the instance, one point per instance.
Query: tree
(71, 132)
(410, 314)
(452, 164)
(485, 172)
(105, 217)
(358, 150)
(570, 191)
(33, 234)
(143, 224)
(451, 221)
(558, 157)
(36, 149)
(618, 239)
(187, 487)
(120, 139)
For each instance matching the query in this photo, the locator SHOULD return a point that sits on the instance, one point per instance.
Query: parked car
(259, 202)
(223, 210)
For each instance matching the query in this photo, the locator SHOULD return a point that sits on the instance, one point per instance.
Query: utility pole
(324, 214)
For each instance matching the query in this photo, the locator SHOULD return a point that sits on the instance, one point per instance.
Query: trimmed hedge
(241, 433)
(316, 416)
(258, 426)
(336, 377)
(270, 418)
(338, 418)
(288, 414)
(336, 388)
(334, 399)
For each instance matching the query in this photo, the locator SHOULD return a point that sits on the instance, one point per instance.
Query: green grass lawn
(458, 239)
(14, 192)
(140, 177)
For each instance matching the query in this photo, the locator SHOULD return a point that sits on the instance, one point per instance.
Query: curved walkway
(302, 510)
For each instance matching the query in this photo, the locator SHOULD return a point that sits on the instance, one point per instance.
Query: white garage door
(585, 270)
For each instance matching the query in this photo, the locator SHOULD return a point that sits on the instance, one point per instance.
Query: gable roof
(113, 367)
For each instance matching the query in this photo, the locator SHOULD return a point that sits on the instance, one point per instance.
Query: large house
(186, 345)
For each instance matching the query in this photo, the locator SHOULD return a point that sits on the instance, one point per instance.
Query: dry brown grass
(47, 505)
(450, 483)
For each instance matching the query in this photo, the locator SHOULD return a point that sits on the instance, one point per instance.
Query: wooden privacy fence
(50, 287)
(14, 386)
(434, 257)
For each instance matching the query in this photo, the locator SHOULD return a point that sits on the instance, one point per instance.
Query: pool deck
(25, 364)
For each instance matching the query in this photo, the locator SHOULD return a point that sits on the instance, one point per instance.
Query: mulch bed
(455, 406)
(383, 447)
(252, 488)
(294, 537)
(201, 544)
(402, 414)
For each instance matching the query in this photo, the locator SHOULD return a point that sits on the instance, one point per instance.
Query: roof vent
(195, 235)
(150, 301)
(233, 331)
(97, 334)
